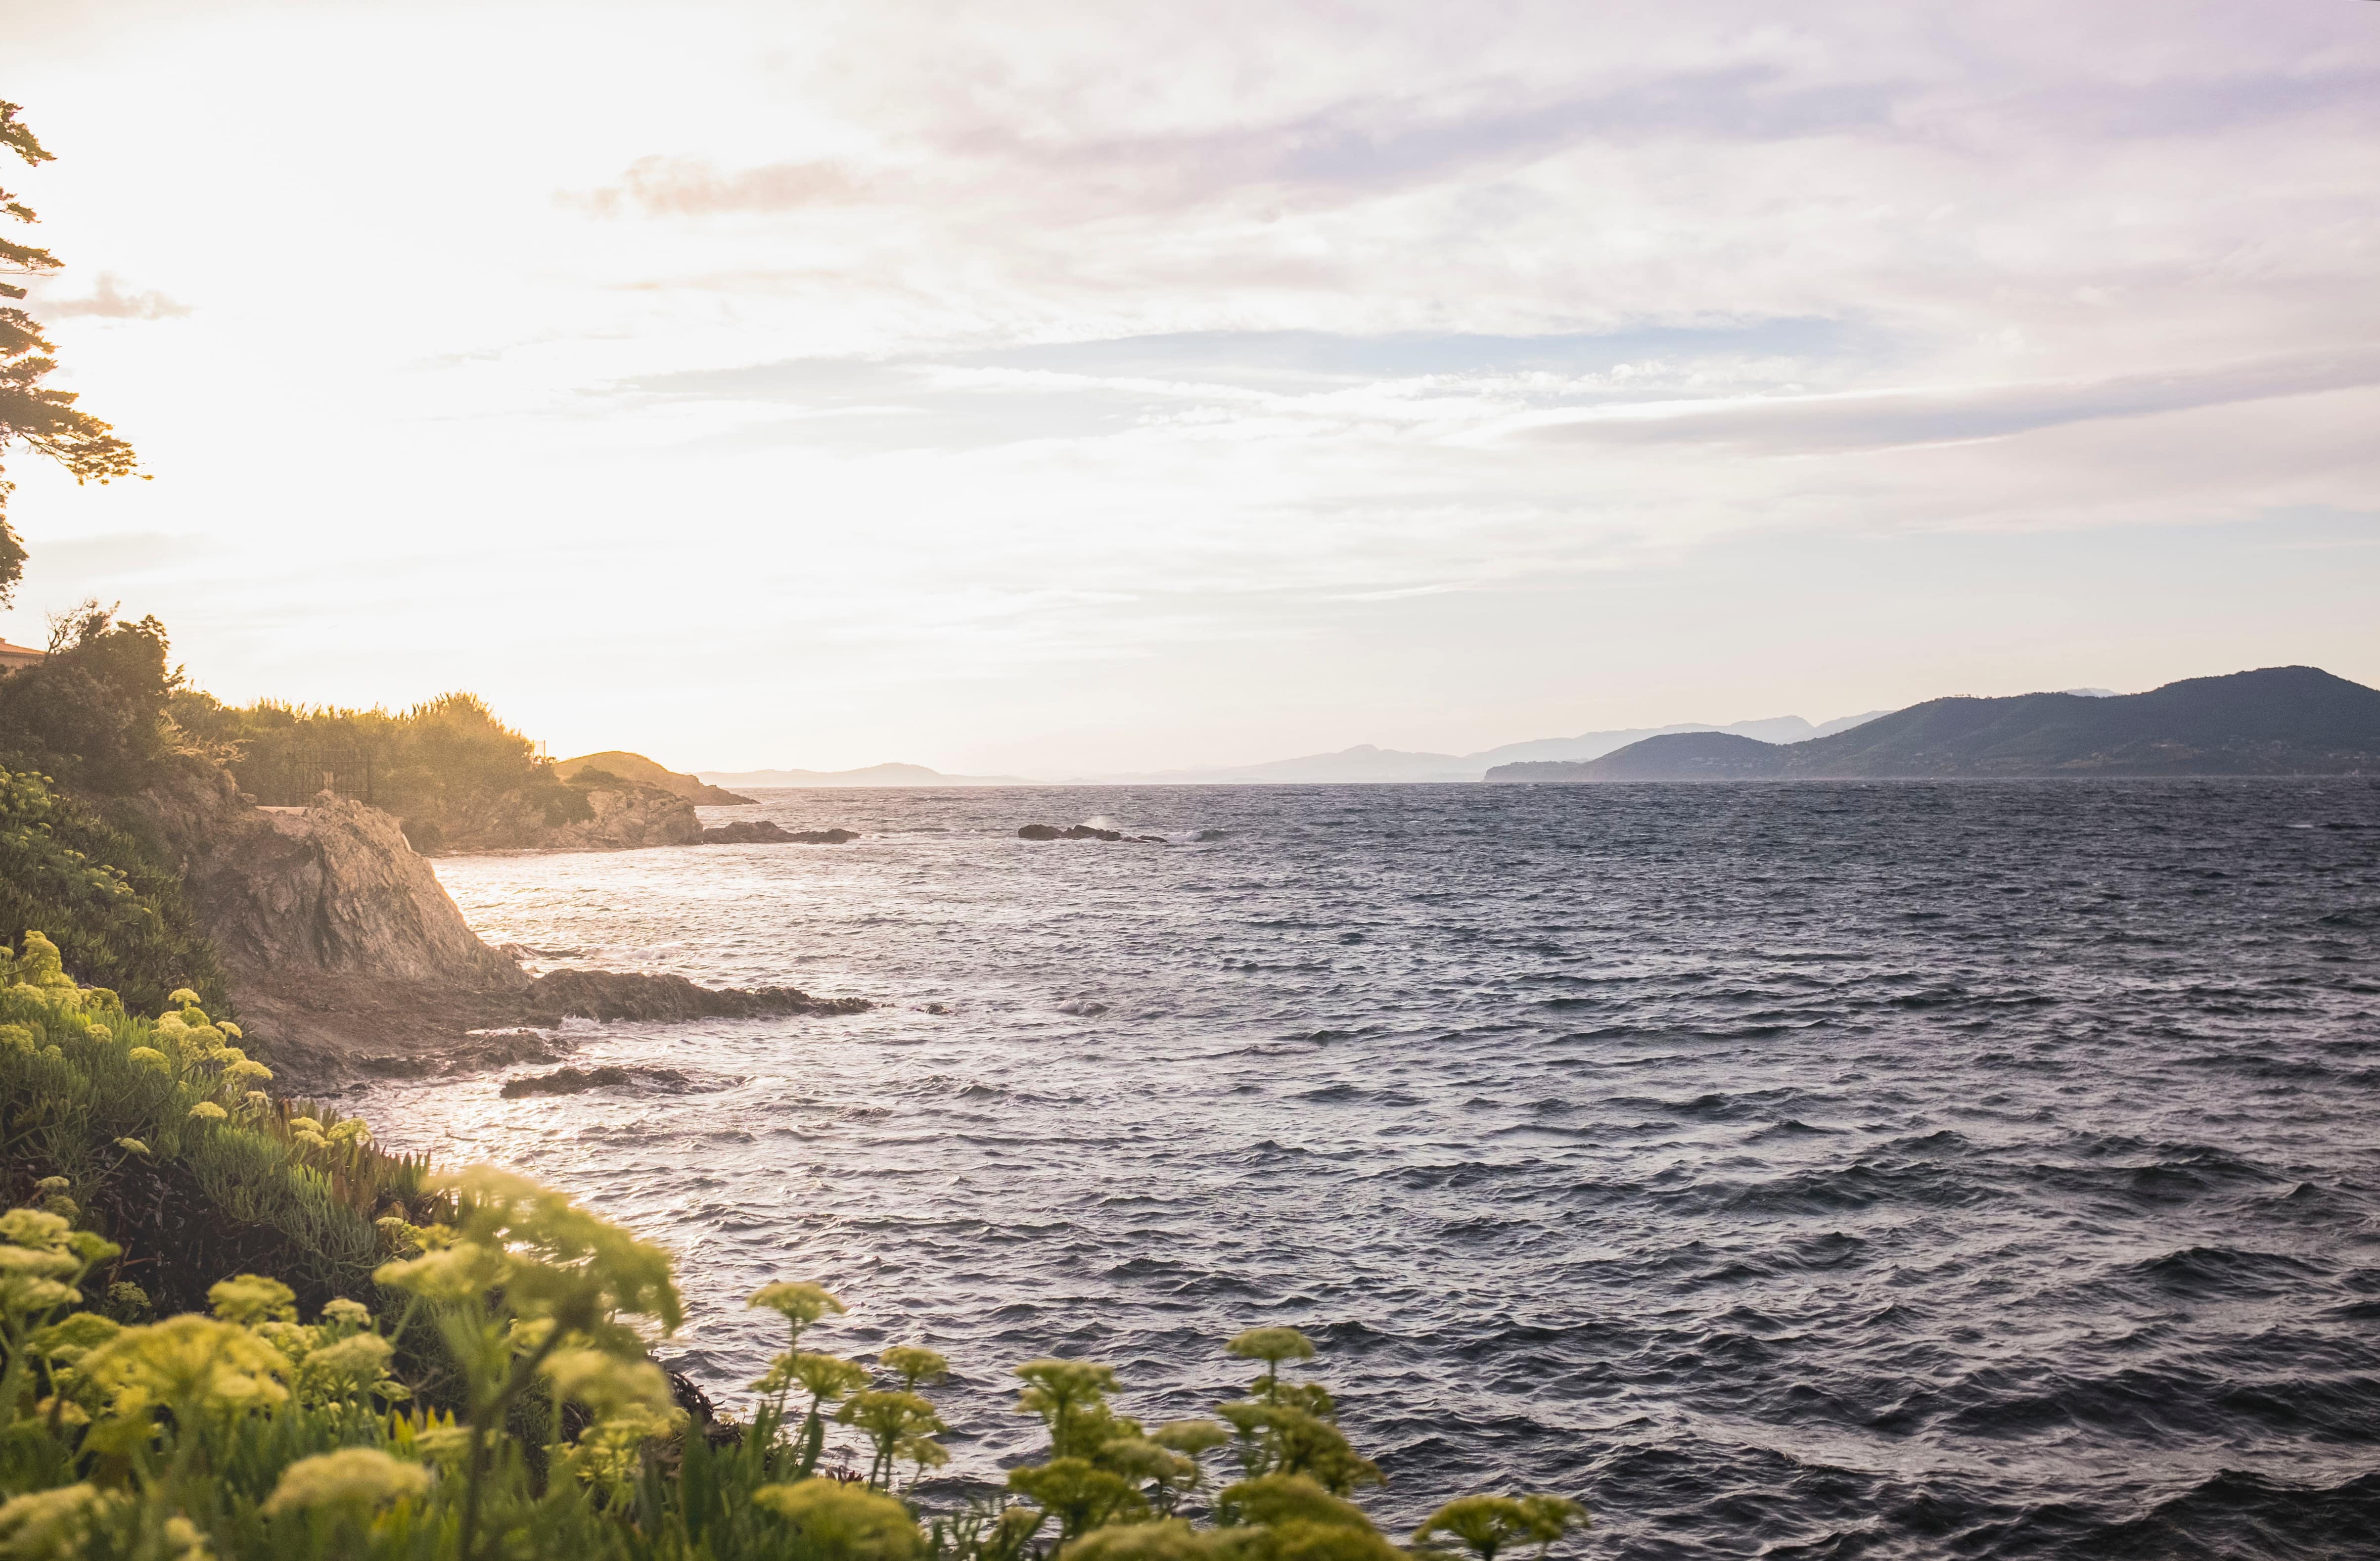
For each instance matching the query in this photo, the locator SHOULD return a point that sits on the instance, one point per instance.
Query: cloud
(980, 337)
(108, 300)
(1878, 419)
(695, 186)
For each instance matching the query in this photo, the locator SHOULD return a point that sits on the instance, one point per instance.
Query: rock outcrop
(608, 994)
(344, 954)
(626, 817)
(760, 831)
(334, 890)
(576, 1080)
(1075, 832)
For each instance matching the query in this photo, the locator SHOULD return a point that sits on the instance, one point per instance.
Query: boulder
(1077, 832)
(297, 893)
(613, 995)
(760, 831)
(574, 1080)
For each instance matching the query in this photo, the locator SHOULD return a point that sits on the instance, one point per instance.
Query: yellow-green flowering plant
(1486, 1524)
(508, 1410)
(527, 1285)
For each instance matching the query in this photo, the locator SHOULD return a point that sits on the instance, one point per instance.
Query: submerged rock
(760, 831)
(613, 995)
(576, 1080)
(1078, 832)
(563, 1081)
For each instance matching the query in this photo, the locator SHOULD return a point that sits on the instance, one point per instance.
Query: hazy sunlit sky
(1070, 389)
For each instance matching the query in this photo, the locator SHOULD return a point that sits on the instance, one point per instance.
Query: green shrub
(118, 917)
(92, 712)
(162, 1125)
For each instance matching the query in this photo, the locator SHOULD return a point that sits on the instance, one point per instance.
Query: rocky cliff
(334, 890)
(344, 953)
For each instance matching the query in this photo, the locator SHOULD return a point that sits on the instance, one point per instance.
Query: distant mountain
(874, 774)
(637, 767)
(1367, 764)
(2279, 721)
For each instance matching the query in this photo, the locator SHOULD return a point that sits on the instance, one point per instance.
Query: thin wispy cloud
(110, 300)
(695, 186)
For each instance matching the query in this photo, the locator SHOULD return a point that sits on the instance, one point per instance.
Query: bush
(93, 712)
(443, 767)
(162, 1131)
(116, 917)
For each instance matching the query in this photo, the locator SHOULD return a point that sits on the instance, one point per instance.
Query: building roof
(9, 650)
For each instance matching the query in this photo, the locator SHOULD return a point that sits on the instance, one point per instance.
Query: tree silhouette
(40, 418)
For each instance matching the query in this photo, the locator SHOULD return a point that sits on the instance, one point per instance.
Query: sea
(1909, 1169)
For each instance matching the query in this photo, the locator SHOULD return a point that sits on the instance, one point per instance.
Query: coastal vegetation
(475, 1381)
(117, 915)
(165, 1132)
(438, 765)
(94, 713)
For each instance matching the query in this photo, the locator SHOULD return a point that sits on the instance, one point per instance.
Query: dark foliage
(92, 714)
(439, 766)
(118, 917)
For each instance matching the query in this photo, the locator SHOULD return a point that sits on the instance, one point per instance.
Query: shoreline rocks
(575, 1081)
(623, 816)
(614, 766)
(346, 957)
(613, 995)
(1076, 831)
(760, 831)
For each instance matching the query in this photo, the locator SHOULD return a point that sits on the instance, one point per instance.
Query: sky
(1068, 389)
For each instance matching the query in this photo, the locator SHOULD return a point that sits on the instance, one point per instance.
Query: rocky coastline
(347, 959)
(623, 816)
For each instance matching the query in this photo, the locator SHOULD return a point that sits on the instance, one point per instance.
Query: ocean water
(1902, 1170)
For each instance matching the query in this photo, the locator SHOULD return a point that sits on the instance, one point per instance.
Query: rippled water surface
(1909, 1170)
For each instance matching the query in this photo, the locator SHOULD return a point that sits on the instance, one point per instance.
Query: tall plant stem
(483, 1420)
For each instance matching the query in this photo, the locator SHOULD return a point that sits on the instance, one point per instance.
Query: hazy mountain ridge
(1365, 764)
(2275, 721)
